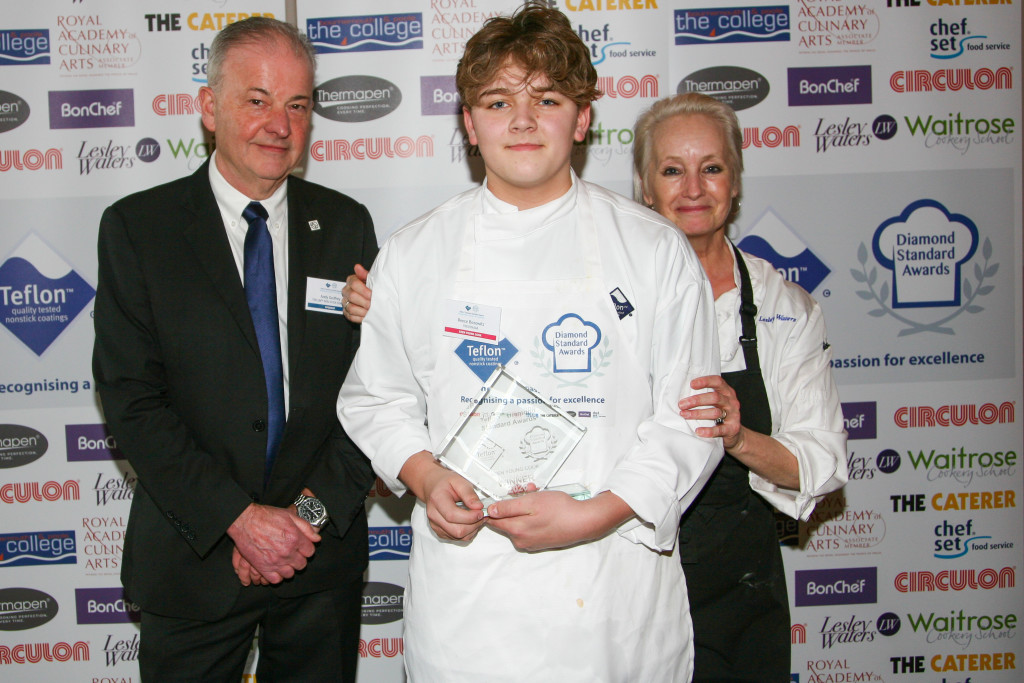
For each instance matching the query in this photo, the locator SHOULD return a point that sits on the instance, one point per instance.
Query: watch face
(311, 510)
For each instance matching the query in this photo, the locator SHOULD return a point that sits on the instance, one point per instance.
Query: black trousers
(306, 639)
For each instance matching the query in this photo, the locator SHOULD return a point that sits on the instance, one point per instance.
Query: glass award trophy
(511, 437)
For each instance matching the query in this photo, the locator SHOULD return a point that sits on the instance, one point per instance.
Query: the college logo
(911, 417)
(372, 148)
(20, 445)
(31, 159)
(923, 80)
(774, 241)
(857, 585)
(88, 46)
(24, 46)
(34, 491)
(390, 542)
(955, 580)
(14, 111)
(92, 108)
(811, 86)
(333, 35)
(25, 608)
(860, 419)
(33, 653)
(37, 547)
(88, 442)
(738, 87)
(835, 26)
(36, 307)
(383, 603)
(772, 136)
(925, 247)
(352, 99)
(439, 96)
(105, 606)
(712, 26)
(951, 39)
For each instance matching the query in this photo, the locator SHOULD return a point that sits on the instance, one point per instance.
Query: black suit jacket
(179, 374)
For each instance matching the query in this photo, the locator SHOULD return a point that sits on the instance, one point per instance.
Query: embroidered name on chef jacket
(571, 339)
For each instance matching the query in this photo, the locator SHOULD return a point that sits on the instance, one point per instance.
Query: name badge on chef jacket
(466, 320)
(324, 295)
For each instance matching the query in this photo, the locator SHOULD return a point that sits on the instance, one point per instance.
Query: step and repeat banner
(882, 145)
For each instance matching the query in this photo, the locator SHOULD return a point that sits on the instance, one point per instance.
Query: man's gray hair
(255, 31)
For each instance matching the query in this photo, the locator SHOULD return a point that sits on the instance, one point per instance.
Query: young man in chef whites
(546, 587)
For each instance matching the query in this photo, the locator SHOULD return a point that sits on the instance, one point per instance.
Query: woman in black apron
(687, 166)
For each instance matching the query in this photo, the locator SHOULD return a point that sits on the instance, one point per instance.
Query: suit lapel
(303, 251)
(204, 231)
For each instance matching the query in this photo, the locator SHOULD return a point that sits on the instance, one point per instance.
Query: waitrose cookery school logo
(926, 248)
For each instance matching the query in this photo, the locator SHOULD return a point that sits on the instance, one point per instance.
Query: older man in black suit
(219, 353)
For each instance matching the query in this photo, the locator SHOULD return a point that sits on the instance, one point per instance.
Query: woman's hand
(719, 404)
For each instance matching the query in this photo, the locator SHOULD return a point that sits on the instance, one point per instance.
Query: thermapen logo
(351, 99)
(40, 294)
(14, 111)
(771, 239)
(25, 608)
(925, 247)
(738, 87)
(20, 445)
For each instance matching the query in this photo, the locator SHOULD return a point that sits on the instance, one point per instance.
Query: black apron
(730, 550)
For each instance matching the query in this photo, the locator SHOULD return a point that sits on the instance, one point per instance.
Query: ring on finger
(721, 418)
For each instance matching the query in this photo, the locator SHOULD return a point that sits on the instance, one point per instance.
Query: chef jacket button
(259, 425)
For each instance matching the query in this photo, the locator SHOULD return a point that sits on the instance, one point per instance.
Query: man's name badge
(511, 437)
(324, 295)
(466, 320)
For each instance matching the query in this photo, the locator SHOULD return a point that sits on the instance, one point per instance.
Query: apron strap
(748, 339)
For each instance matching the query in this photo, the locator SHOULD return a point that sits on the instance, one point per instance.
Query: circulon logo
(25, 608)
(738, 87)
(20, 445)
(351, 99)
(14, 111)
(909, 417)
(382, 602)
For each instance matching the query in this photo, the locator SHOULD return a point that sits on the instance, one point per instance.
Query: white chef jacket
(795, 358)
(614, 609)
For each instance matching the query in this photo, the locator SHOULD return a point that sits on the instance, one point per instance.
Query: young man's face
(525, 133)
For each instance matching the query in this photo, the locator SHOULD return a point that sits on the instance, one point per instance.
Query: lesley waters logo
(926, 247)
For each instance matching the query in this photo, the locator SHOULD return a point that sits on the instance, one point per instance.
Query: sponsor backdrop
(883, 154)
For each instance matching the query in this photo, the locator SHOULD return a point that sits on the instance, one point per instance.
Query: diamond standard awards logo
(40, 294)
(925, 247)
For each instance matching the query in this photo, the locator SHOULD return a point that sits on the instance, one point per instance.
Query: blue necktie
(261, 293)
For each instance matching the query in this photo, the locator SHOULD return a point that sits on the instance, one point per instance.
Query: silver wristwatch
(311, 510)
